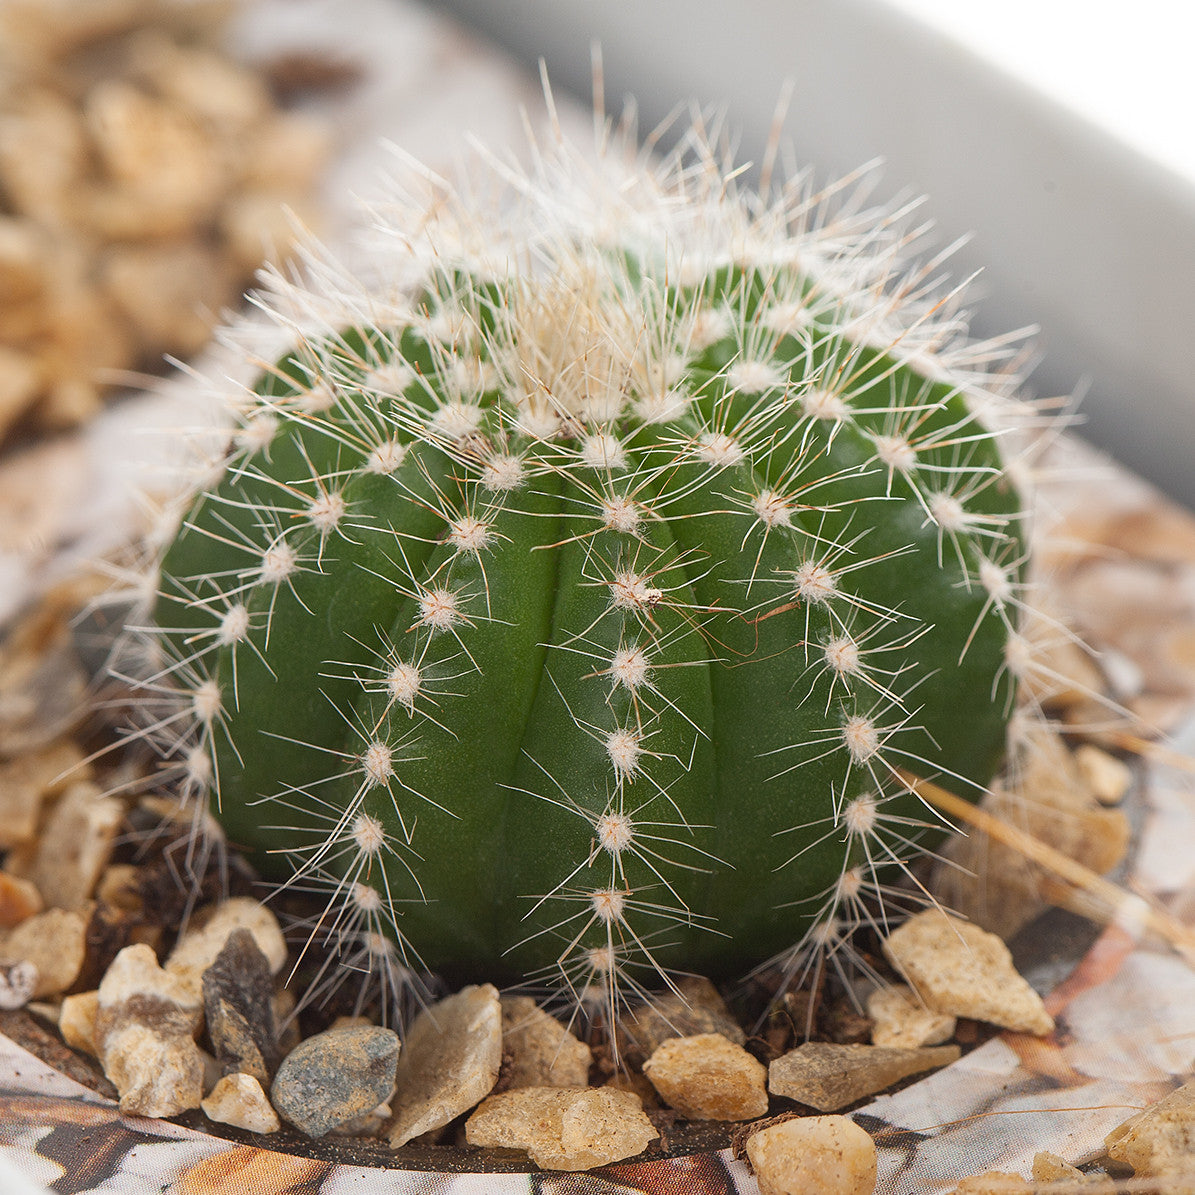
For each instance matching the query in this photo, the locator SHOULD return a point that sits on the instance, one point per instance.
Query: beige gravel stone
(20, 381)
(286, 153)
(960, 969)
(563, 1128)
(19, 899)
(449, 1063)
(55, 942)
(197, 948)
(1107, 777)
(76, 1021)
(172, 295)
(155, 152)
(75, 845)
(216, 91)
(239, 1100)
(814, 1155)
(695, 1008)
(27, 781)
(540, 1051)
(708, 1077)
(994, 1182)
(1159, 1142)
(43, 154)
(902, 1021)
(146, 1019)
(156, 1074)
(21, 249)
(135, 977)
(828, 1076)
(1050, 1168)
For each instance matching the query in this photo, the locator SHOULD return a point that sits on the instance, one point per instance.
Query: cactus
(573, 597)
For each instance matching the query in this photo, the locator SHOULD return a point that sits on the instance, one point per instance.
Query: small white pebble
(239, 1100)
(813, 1155)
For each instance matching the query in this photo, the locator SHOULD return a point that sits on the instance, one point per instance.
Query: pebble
(17, 984)
(539, 1051)
(708, 1077)
(1107, 777)
(1050, 1168)
(55, 943)
(19, 899)
(813, 1155)
(26, 781)
(900, 1020)
(563, 1128)
(145, 1023)
(696, 1007)
(994, 1182)
(960, 969)
(239, 1100)
(156, 1073)
(238, 992)
(827, 1076)
(76, 1021)
(450, 1062)
(74, 845)
(1159, 1142)
(201, 944)
(334, 1077)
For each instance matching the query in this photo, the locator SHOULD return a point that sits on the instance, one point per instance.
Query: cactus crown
(570, 594)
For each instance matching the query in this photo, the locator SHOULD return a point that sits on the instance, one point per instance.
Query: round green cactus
(575, 595)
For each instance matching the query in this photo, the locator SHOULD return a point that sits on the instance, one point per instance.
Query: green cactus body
(571, 618)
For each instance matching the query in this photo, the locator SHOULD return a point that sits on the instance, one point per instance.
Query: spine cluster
(570, 600)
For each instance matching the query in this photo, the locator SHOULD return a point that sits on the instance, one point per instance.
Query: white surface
(1126, 69)
(1078, 228)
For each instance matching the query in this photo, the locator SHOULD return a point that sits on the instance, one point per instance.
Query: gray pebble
(335, 1076)
(238, 994)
